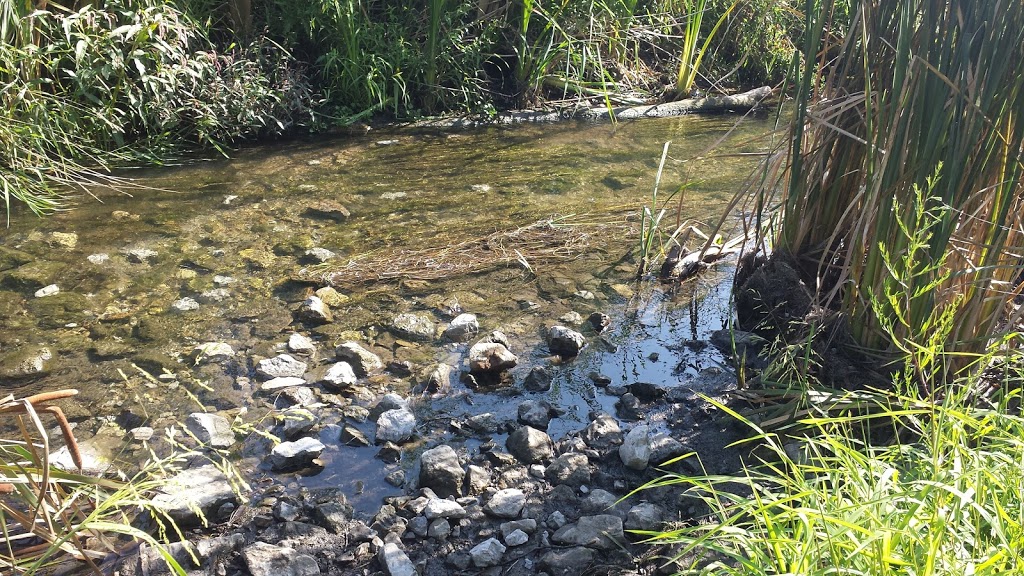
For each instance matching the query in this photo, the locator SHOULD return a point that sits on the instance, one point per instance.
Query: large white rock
(396, 426)
(635, 451)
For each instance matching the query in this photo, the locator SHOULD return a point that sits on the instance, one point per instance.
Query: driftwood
(682, 263)
(710, 104)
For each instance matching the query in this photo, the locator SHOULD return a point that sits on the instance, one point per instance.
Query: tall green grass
(918, 96)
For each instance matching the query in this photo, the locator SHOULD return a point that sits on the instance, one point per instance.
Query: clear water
(246, 218)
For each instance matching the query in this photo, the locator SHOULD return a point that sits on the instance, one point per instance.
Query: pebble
(47, 291)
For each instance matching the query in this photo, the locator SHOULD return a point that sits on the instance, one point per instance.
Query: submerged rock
(327, 210)
(47, 291)
(26, 363)
(211, 352)
(538, 380)
(185, 305)
(281, 366)
(414, 326)
(62, 240)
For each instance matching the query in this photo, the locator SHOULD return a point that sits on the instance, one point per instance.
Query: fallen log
(708, 104)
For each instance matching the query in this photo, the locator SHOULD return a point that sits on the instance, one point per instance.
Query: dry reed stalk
(538, 243)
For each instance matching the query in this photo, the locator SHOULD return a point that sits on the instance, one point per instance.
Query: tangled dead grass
(543, 242)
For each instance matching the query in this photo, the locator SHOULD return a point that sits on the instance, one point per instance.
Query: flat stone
(211, 429)
(283, 382)
(47, 291)
(414, 326)
(340, 376)
(63, 240)
(603, 531)
(289, 455)
(264, 559)
(568, 561)
(280, 366)
(395, 561)
(507, 503)
(396, 425)
(140, 255)
(352, 436)
(205, 488)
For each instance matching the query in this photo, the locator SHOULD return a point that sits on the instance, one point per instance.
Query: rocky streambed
(414, 414)
(474, 491)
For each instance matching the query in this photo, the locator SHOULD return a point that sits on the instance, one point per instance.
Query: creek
(232, 240)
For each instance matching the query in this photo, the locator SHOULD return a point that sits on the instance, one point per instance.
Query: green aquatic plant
(692, 53)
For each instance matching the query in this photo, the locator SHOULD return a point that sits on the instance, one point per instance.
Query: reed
(898, 107)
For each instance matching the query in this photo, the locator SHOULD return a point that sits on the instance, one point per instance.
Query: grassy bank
(894, 214)
(93, 85)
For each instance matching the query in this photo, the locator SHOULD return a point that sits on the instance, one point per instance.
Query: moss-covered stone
(26, 362)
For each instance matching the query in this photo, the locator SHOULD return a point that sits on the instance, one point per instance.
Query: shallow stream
(233, 235)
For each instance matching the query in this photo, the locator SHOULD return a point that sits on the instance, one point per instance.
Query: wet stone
(462, 327)
(327, 210)
(352, 436)
(414, 326)
(489, 357)
(530, 445)
(62, 240)
(314, 310)
(331, 297)
(396, 478)
(396, 425)
(538, 380)
(204, 488)
(98, 259)
(297, 454)
(565, 341)
(215, 296)
(628, 407)
(534, 413)
(297, 421)
(485, 423)
(363, 361)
